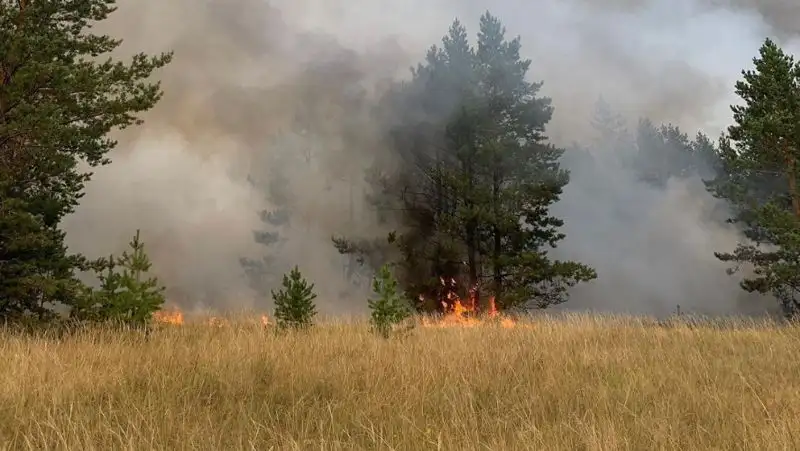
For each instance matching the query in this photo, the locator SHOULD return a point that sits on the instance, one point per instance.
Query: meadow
(574, 383)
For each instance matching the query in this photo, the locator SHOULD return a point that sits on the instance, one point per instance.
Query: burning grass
(576, 383)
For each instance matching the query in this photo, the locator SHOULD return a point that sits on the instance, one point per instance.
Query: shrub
(389, 309)
(294, 304)
(126, 295)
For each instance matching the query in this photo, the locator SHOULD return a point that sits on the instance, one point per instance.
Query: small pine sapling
(125, 296)
(294, 304)
(389, 308)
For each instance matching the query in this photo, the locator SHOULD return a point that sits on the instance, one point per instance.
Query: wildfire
(174, 317)
(458, 313)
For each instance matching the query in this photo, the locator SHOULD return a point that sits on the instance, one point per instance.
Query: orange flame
(492, 308)
(174, 317)
(464, 314)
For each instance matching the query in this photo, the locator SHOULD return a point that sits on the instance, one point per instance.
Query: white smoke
(245, 70)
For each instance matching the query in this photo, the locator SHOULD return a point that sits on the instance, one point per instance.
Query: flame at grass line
(168, 317)
(175, 317)
(458, 313)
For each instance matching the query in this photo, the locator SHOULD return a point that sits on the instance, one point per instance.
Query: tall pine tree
(760, 156)
(60, 96)
(476, 175)
(263, 273)
(523, 178)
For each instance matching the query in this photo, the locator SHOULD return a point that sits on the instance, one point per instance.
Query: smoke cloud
(263, 93)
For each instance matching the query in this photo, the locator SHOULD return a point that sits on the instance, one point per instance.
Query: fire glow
(174, 317)
(461, 313)
(458, 312)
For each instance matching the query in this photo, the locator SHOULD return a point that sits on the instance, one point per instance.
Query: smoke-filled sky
(283, 88)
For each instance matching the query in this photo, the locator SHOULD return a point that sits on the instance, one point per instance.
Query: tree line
(468, 181)
(472, 175)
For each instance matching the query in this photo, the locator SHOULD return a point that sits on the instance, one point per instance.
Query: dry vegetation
(579, 383)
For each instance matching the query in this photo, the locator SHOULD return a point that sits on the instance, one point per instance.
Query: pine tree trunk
(438, 268)
(472, 263)
(498, 270)
(472, 247)
(12, 153)
(791, 162)
(498, 242)
(793, 188)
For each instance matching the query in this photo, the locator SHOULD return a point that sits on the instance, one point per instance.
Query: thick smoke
(280, 92)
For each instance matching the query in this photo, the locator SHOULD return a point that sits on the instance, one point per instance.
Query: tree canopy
(760, 153)
(467, 183)
(60, 96)
(477, 177)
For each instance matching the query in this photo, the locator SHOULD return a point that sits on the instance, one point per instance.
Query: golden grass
(579, 383)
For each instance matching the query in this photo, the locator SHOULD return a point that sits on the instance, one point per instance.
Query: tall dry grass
(578, 383)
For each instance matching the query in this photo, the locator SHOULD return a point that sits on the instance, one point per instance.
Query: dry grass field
(581, 383)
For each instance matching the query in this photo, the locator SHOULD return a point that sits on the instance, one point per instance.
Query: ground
(577, 383)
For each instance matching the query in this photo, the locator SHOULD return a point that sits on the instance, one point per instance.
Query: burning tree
(475, 180)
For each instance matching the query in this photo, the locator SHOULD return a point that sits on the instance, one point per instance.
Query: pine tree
(261, 272)
(760, 155)
(125, 296)
(666, 152)
(611, 145)
(477, 177)
(522, 178)
(294, 304)
(707, 160)
(611, 128)
(59, 99)
(388, 308)
(418, 196)
(654, 157)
